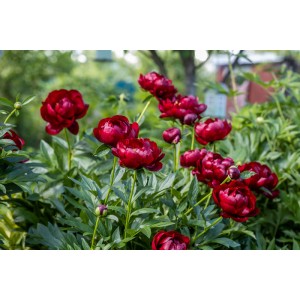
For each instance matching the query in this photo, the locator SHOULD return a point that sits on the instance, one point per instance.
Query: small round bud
(260, 120)
(18, 105)
(234, 172)
(101, 210)
(172, 135)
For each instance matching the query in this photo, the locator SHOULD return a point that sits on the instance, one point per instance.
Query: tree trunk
(188, 61)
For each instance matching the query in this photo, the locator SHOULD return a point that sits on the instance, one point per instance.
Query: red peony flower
(172, 135)
(112, 130)
(264, 178)
(61, 109)
(170, 240)
(187, 109)
(11, 135)
(211, 130)
(212, 169)
(190, 158)
(236, 201)
(158, 85)
(139, 153)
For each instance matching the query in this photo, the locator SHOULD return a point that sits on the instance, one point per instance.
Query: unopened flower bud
(101, 210)
(172, 135)
(260, 120)
(18, 105)
(234, 172)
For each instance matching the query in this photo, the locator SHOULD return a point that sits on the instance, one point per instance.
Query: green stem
(193, 138)
(94, 233)
(199, 202)
(6, 120)
(69, 149)
(207, 228)
(233, 84)
(175, 158)
(105, 200)
(144, 110)
(279, 108)
(205, 197)
(129, 203)
(111, 179)
(178, 146)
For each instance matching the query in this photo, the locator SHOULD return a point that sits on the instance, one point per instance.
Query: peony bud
(101, 210)
(172, 135)
(260, 120)
(234, 172)
(18, 105)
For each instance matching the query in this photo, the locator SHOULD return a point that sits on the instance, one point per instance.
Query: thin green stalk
(111, 179)
(69, 149)
(7, 118)
(94, 233)
(207, 228)
(128, 213)
(279, 108)
(175, 158)
(233, 84)
(178, 146)
(205, 197)
(144, 110)
(199, 202)
(193, 138)
(105, 200)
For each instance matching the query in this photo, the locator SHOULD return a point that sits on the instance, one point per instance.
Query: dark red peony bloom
(170, 240)
(112, 130)
(187, 109)
(61, 109)
(11, 135)
(158, 85)
(190, 158)
(264, 178)
(211, 130)
(139, 153)
(212, 169)
(172, 135)
(236, 201)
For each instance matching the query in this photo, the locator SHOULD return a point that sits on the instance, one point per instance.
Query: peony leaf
(247, 174)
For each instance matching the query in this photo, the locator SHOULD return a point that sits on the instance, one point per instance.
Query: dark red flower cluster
(211, 130)
(170, 240)
(186, 109)
(111, 130)
(209, 167)
(236, 201)
(158, 85)
(61, 109)
(12, 135)
(137, 153)
(264, 181)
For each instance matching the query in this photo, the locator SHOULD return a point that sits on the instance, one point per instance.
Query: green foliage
(47, 204)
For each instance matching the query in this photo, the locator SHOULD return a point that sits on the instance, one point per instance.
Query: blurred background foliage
(100, 82)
